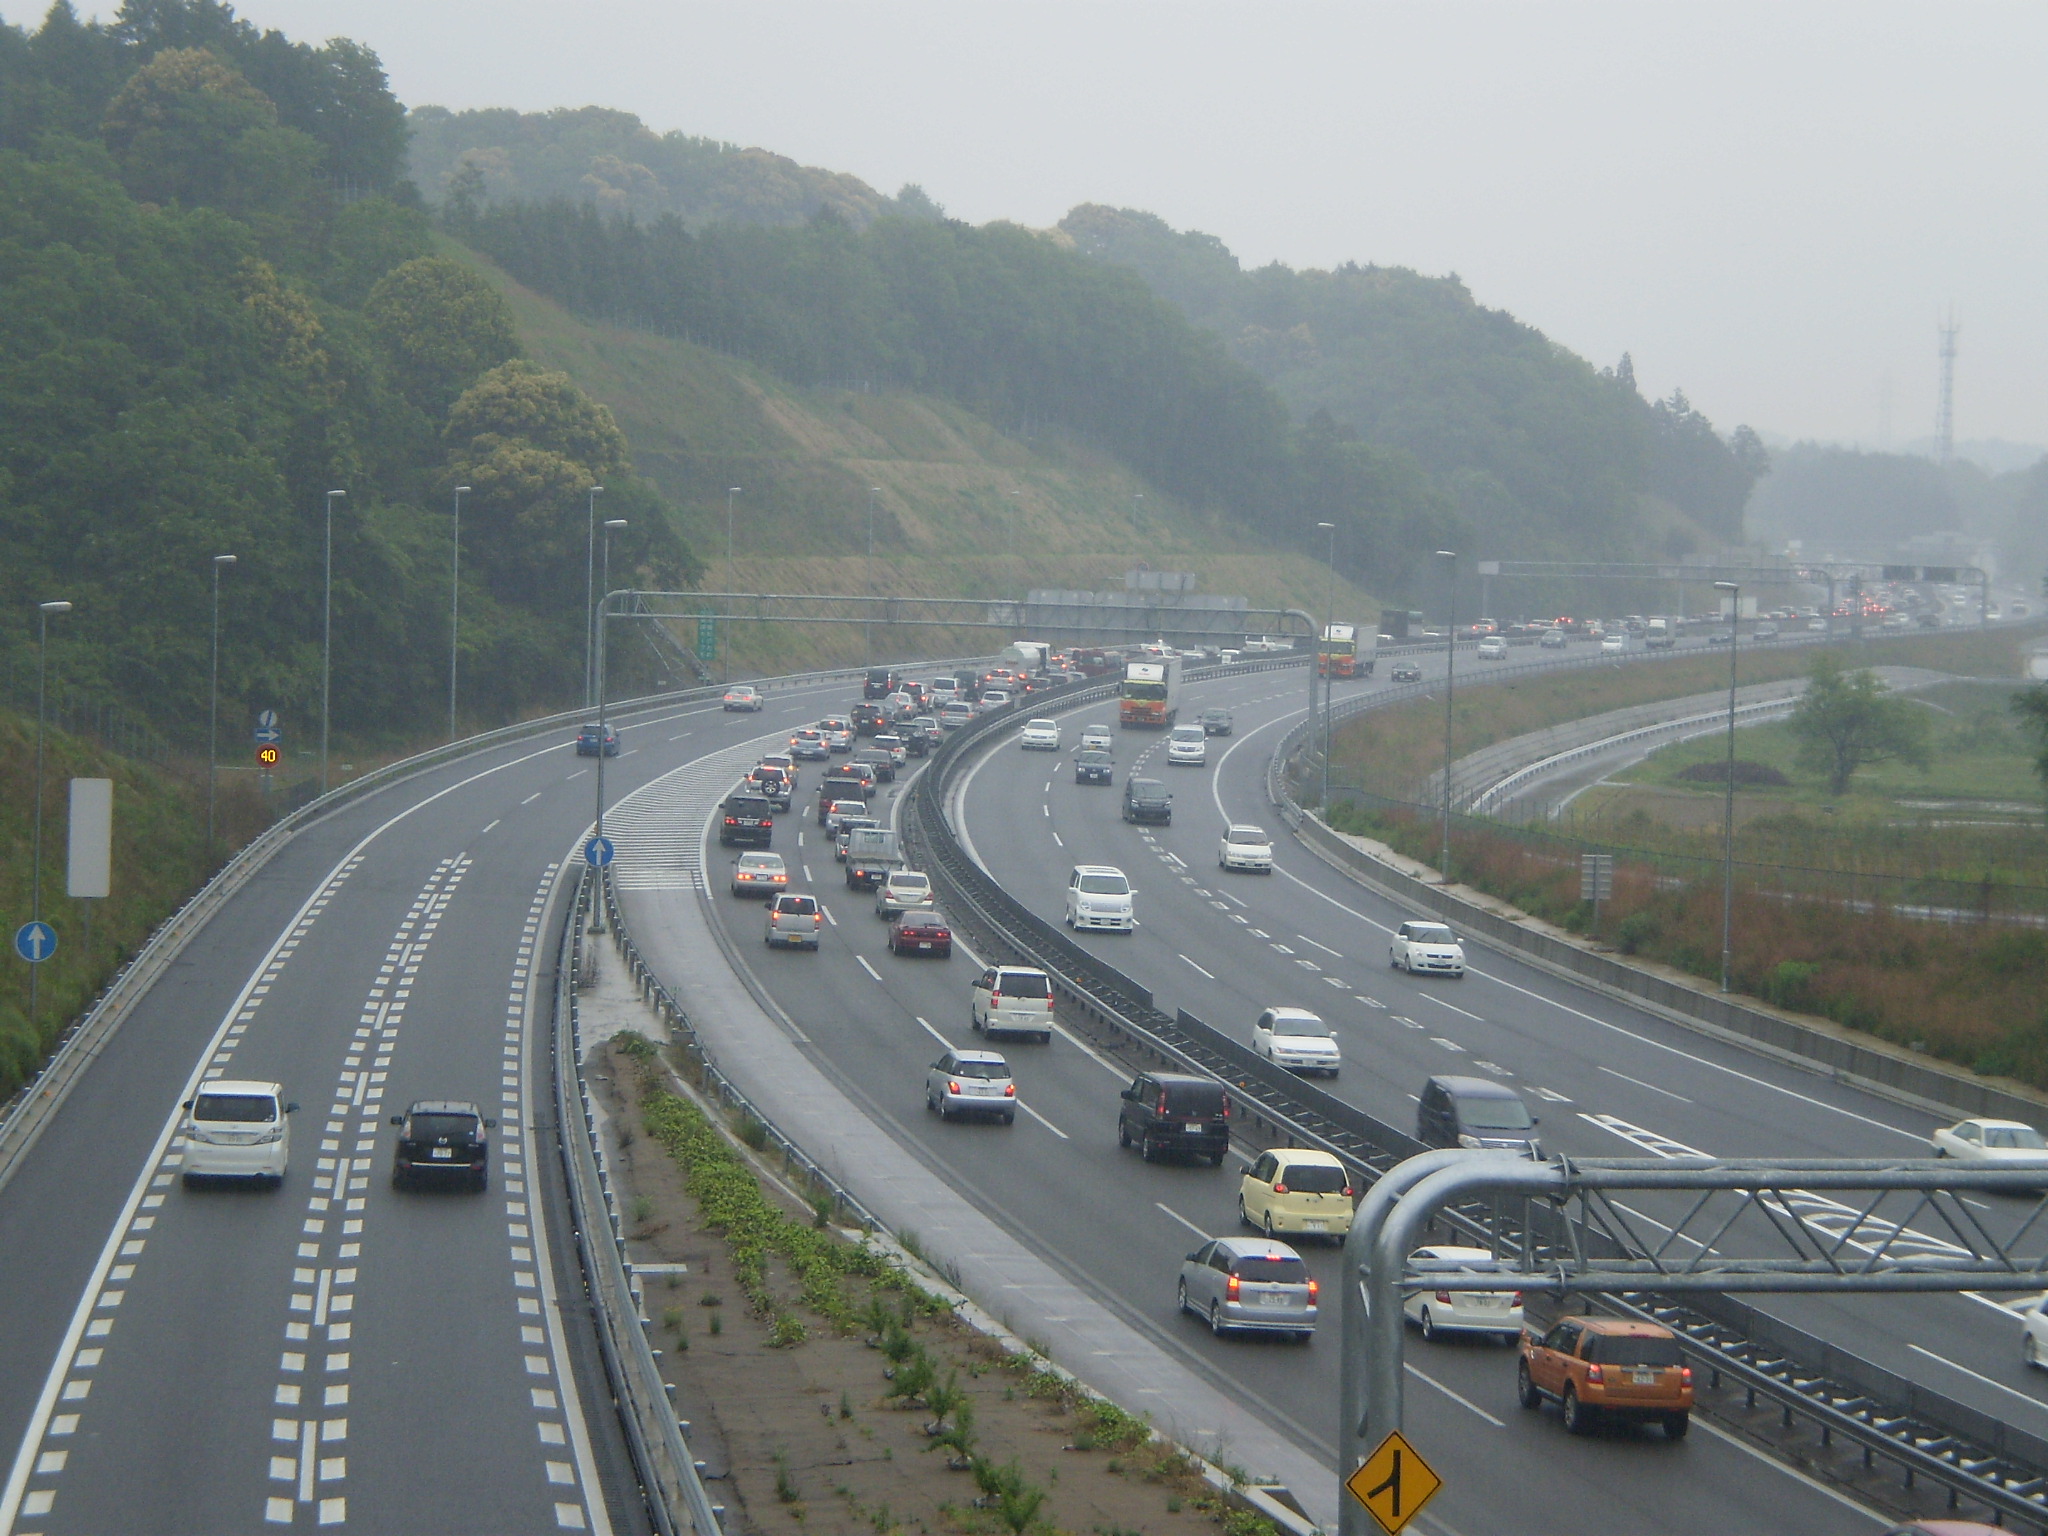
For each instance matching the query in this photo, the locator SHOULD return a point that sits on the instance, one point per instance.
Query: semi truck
(1345, 650)
(1150, 696)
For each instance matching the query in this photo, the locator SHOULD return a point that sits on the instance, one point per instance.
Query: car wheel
(1010, 1118)
(1676, 1424)
(1216, 1318)
(397, 1179)
(1578, 1418)
(1244, 1217)
(1123, 1134)
(973, 1019)
(481, 1181)
(1266, 1224)
(1429, 1333)
(1216, 1159)
(1145, 1148)
(1525, 1389)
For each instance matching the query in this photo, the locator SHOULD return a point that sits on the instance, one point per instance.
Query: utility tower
(1945, 411)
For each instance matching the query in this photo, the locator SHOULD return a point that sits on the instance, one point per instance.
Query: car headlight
(1465, 1140)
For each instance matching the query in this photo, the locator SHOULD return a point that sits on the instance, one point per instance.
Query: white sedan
(1497, 1313)
(1613, 645)
(1991, 1141)
(1040, 736)
(1245, 848)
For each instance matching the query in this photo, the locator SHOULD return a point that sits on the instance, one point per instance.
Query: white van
(236, 1129)
(1012, 1000)
(1187, 747)
(1100, 896)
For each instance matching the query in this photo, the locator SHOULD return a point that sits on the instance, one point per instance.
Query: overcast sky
(1768, 204)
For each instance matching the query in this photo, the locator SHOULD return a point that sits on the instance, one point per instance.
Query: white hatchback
(237, 1129)
(1187, 747)
(1040, 736)
(1100, 896)
(1245, 848)
(1298, 1040)
(1429, 949)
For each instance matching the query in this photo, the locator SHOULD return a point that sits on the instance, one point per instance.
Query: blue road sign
(598, 851)
(268, 735)
(35, 942)
(266, 719)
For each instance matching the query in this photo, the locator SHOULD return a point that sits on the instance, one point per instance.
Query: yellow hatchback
(1290, 1189)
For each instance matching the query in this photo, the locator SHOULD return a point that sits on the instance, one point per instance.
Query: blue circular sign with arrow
(599, 852)
(35, 942)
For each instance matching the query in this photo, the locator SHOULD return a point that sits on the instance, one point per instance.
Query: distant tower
(1945, 412)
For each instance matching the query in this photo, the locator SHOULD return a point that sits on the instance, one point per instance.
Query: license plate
(1316, 1226)
(443, 1152)
(924, 943)
(1643, 1378)
(1194, 1127)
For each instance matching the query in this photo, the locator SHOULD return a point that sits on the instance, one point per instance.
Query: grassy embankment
(965, 508)
(159, 859)
(1967, 991)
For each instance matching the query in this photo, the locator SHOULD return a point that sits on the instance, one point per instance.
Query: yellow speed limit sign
(1394, 1483)
(268, 755)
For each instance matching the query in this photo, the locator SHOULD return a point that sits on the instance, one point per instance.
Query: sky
(1769, 205)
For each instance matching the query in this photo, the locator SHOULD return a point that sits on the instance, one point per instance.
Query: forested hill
(1536, 449)
(219, 302)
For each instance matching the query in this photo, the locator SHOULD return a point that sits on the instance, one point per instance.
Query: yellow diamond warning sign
(1394, 1483)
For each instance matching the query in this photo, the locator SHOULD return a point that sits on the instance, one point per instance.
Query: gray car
(1249, 1283)
(970, 1083)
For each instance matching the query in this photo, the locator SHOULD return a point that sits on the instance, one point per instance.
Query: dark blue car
(588, 738)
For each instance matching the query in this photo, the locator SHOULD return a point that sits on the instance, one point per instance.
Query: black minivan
(1171, 1112)
(1475, 1112)
(880, 683)
(746, 821)
(1148, 800)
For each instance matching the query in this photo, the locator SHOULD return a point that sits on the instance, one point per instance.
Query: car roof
(1245, 826)
(1475, 1088)
(1454, 1254)
(757, 857)
(1027, 970)
(1295, 1013)
(1997, 1125)
(1096, 869)
(1624, 1328)
(443, 1107)
(241, 1085)
(1053, 723)
(1256, 1248)
(1298, 1156)
(961, 1053)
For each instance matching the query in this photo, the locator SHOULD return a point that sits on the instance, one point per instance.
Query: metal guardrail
(1973, 1455)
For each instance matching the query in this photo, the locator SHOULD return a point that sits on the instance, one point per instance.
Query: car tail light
(1315, 1289)
(1010, 1091)
(995, 1000)
(1685, 1375)
(1595, 1376)
(953, 1087)
(1226, 1106)
(1349, 1195)
(1162, 1103)
(1516, 1303)
(1230, 1290)
(732, 821)
(1279, 1189)
(1444, 1297)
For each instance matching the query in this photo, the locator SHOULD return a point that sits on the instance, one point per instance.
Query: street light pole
(867, 628)
(327, 638)
(35, 898)
(1136, 497)
(590, 600)
(213, 706)
(1329, 678)
(730, 492)
(1734, 591)
(1450, 684)
(454, 604)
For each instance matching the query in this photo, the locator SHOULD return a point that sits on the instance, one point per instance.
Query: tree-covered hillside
(1543, 456)
(218, 302)
(618, 164)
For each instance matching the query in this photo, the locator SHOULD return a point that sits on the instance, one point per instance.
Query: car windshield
(1151, 693)
(1203, 1099)
(1634, 1349)
(1105, 885)
(1249, 835)
(1431, 933)
(1215, 714)
(1147, 789)
(986, 1071)
(433, 1127)
(1494, 1115)
(235, 1108)
(1309, 1025)
(922, 920)
(1023, 984)
(1042, 725)
(1095, 759)
(802, 906)
(1187, 733)
(1271, 1271)
(1314, 1179)
(2022, 1136)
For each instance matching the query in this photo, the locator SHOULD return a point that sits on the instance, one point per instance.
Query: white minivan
(1100, 896)
(1011, 1000)
(1187, 747)
(237, 1129)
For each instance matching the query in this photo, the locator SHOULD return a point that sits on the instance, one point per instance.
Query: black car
(1148, 800)
(869, 719)
(445, 1140)
(1093, 768)
(1474, 1112)
(1216, 722)
(880, 683)
(748, 821)
(1405, 672)
(882, 760)
(849, 781)
(1171, 1112)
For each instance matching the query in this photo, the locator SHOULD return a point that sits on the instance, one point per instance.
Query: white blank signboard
(92, 838)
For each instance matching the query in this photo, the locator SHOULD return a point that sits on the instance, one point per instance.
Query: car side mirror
(1195, 1255)
(1535, 1119)
(186, 1105)
(292, 1108)
(490, 1125)
(398, 1119)
(1125, 1094)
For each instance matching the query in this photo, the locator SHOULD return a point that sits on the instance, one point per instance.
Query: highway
(334, 1352)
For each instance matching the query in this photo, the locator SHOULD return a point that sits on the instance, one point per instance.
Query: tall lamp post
(1137, 497)
(1734, 591)
(327, 637)
(454, 604)
(730, 492)
(35, 897)
(1329, 617)
(603, 603)
(1450, 683)
(590, 601)
(220, 563)
(867, 629)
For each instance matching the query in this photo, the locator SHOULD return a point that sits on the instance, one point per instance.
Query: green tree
(2031, 705)
(444, 325)
(1850, 720)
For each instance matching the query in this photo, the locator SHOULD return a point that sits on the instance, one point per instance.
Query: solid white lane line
(1771, 1461)
(1460, 1400)
(1651, 1086)
(1034, 1114)
(1176, 1215)
(926, 1025)
(2024, 1397)
(1210, 974)
(1323, 947)
(863, 959)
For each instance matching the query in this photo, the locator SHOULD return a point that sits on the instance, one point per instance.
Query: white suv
(1040, 736)
(1011, 1000)
(1245, 848)
(1430, 948)
(1298, 1040)
(1187, 747)
(238, 1130)
(1099, 896)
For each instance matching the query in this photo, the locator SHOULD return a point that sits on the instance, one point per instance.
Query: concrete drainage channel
(1977, 1458)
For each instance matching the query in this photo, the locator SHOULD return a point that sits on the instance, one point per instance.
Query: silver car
(1096, 738)
(1249, 1282)
(970, 1083)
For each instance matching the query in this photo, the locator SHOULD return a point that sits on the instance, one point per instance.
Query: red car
(920, 931)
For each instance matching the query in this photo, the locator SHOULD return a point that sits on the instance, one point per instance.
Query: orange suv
(1601, 1367)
